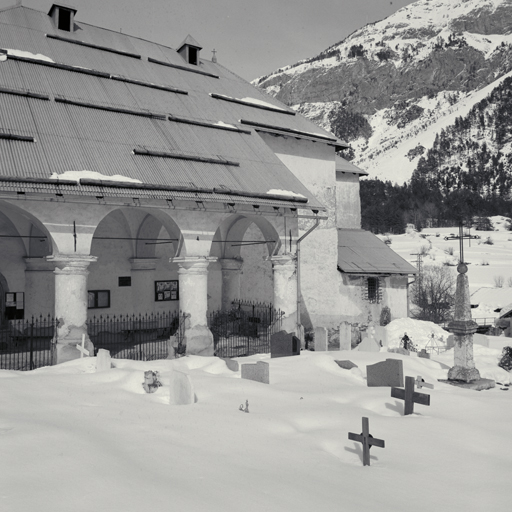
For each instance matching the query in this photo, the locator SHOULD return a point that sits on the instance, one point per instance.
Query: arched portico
(255, 264)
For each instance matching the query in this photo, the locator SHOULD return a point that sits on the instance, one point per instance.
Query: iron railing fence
(244, 330)
(28, 344)
(142, 337)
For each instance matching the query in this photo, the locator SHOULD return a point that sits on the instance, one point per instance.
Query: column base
(463, 374)
(199, 341)
(66, 347)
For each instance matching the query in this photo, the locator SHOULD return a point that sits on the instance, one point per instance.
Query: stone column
(285, 290)
(143, 284)
(230, 281)
(463, 328)
(193, 280)
(71, 303)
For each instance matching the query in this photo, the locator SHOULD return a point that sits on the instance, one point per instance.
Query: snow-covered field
(488, 263)
(76, 440)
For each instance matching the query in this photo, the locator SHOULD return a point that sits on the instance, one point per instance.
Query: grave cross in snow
(420, 383)
(409, 396)
(368, 441)
(83, 350)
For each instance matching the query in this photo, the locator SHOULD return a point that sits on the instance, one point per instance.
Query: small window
(64, 20)
(373, 291)
(99, 299)
(125, 281)
(192, 55)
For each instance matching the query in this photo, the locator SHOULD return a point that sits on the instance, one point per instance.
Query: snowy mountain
(392, 86)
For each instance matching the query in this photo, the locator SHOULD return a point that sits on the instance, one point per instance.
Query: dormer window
(63, 17)
(189, 50)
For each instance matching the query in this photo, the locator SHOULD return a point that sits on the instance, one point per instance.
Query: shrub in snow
(433, 294)
(506, 359)
(385, 316)
(498, 281)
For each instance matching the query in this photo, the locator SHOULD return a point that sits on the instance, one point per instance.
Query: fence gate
(27, 344)
(141, 337)
(244, 330)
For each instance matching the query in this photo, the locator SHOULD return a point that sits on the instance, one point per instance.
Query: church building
(138, 178)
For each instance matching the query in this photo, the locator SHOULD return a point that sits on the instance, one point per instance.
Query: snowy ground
(76, 440)
(487, 262)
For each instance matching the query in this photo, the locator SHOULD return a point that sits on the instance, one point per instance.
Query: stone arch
(130, 259)
(243, 245)
(30, 233)
(152, 227)
(227, 242)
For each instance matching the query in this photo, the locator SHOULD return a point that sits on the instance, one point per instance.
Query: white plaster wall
(357, 310)
(348, 201)
(39, 293)
(314, 164)
(256, 281)
(114, 262)
(214, 287)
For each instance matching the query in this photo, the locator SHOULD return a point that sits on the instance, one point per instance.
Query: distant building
(139, 178)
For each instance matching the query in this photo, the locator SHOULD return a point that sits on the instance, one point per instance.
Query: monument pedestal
(463, 374)
(477, 385)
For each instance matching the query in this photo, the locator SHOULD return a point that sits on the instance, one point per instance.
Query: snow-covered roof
(496, 298)
(110, 103)
(361, 252)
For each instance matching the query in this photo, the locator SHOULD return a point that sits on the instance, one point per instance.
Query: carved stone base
(477, 385)
(463, 374)
(67, 351)
(199, 341)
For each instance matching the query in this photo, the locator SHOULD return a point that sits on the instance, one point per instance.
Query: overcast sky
(252, 37)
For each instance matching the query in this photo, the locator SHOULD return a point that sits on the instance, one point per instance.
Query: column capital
(71, 263)
(283, 260)
(193, 264)
(231, 264)
(39, 264)
(144, 263)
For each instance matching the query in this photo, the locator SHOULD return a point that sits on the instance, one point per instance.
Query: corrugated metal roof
(72, 137)
(361, 252)
(346, 166)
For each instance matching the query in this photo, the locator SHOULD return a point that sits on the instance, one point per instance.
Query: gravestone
(345, 336)
(368, 345)
(409, 396)
(181, 389)
(367, 440)
(423, 353)
(103, 360)
(258, 372)
(386, 373)
(231, 364)
(346, 365)
(283, 344)
(321, 341)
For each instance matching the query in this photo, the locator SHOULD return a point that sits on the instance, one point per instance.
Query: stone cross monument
(463, 326)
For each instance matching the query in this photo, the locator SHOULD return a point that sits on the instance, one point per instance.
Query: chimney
(63, 16)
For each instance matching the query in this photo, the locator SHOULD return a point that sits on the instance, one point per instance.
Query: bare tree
(433, 294)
